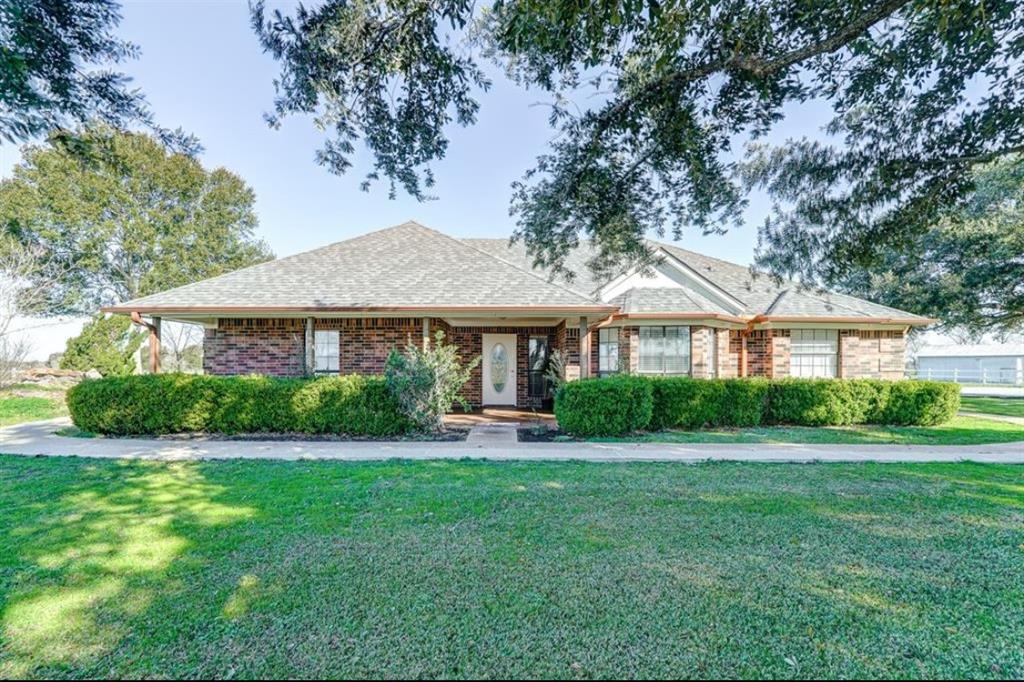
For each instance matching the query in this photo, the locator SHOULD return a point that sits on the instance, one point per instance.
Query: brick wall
(274, 347)
(700, 353)
(871, 354)
(366, 342)
(863, 354)
(780, 349)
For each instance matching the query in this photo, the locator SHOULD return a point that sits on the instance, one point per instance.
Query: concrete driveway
(38, 438)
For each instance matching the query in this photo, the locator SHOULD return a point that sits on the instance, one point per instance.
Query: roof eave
(235, 310)
(848, 319)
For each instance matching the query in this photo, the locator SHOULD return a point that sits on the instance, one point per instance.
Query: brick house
(341, 308)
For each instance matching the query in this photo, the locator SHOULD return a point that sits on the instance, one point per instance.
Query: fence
(1001, 377)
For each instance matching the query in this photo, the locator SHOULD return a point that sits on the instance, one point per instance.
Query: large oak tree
(661, 106)
(968, 268)
(128, 218)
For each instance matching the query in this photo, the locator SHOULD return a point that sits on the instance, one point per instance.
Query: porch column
(584, 349)
(310, 361)
(154, 345)
(743, 354)
(426, 333)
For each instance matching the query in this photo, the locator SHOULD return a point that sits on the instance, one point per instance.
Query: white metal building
(973, 363)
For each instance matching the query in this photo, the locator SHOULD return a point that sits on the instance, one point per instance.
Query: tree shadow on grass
(93, 553)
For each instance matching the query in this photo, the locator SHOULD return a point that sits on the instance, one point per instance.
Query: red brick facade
(277, 347)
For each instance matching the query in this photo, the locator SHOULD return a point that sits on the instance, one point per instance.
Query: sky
(202, 69)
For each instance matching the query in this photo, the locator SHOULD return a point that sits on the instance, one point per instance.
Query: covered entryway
(499, 369)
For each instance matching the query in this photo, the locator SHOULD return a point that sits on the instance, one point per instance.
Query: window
(608, 351)
(813, 352)
(537, 382)
(664, 350)
(327, 351)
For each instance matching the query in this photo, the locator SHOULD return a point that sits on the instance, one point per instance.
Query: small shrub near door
(604, 407)
(186, 403)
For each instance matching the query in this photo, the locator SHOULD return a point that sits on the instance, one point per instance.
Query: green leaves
(967, 268)
(427, 382)
(106, 344)
(654, 103)
(385, 74)
(128, 218)
(55, 71)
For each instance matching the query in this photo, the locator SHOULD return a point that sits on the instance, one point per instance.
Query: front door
(499, 369)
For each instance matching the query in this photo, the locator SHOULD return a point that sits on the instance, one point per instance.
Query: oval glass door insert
(499, 367)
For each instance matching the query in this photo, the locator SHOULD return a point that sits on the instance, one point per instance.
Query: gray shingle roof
(666, 300)
(408, 265)
(759, 293)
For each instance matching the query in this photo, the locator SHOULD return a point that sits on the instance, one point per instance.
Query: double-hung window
(813, 353)
(608, 351)
(327, 351)
(664, 350)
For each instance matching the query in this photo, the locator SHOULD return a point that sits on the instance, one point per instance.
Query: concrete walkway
(37, 438)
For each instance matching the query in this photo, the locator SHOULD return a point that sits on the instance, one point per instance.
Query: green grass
(17, 409)
(1009, 407)
(959, 431)
(466, 569)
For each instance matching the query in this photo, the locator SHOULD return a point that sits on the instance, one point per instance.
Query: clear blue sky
(202, 69)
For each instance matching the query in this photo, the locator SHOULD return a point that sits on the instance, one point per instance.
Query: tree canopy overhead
(127, 219)
(968, 269)
(57, 70)
(656, 104)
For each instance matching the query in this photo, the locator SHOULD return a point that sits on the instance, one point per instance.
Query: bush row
(614, 406)
(183, 403)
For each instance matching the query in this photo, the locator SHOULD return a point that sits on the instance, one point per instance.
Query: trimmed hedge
(185, 403)
(604, 407)
(694, 403)
(589, 409)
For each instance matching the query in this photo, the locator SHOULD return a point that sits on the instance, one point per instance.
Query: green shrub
(922, 403)
(184, 403)
(611, 406)
(687, 403)
(602, 407)
(815, 402)
(744, 402)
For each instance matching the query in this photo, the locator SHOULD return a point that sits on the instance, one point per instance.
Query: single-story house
(973, 363)
(342, 307)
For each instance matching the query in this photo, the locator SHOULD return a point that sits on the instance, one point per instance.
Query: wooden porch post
(426, 333)
(154, 345)
(310, 347)
(743, 354)
(584, 349)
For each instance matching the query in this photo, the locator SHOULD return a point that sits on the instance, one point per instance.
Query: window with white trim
(327, 351)
(664, 350)
(813, 352)
(608, 351)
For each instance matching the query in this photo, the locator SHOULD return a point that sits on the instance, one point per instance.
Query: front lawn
(958, 431)
(15, 409)
(1009, 407)
(467, 569)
